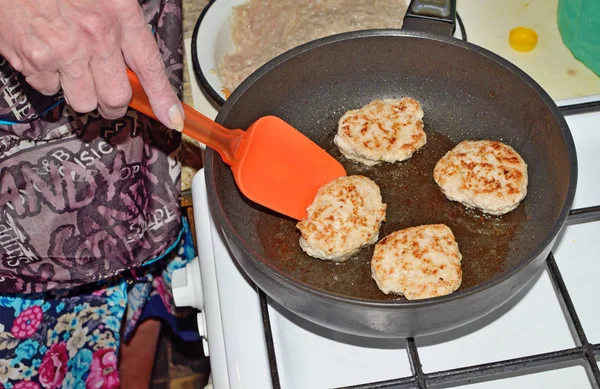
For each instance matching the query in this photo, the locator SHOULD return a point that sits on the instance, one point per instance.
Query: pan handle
(435, 16)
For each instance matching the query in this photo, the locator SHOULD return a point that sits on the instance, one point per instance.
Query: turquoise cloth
(579, 26)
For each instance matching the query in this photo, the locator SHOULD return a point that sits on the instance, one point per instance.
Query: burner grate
(584, 354)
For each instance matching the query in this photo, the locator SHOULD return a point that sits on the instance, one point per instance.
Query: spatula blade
(282, 169)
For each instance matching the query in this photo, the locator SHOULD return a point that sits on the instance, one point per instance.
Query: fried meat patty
(418, 262)
(345, 216)
(485, 174)
(383, 130)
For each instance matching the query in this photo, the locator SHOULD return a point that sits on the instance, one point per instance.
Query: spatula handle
(196, 125)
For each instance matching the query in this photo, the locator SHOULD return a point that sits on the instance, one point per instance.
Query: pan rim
(271, 271)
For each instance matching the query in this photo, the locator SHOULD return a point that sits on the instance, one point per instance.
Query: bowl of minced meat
(233, 38)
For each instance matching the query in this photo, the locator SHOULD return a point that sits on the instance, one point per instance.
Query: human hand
(84, 46)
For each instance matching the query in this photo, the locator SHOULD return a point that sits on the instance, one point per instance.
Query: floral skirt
(70, 339)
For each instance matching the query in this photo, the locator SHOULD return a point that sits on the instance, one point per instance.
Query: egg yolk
(522, 39)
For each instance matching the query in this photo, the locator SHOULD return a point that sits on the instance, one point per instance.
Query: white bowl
(212, 40)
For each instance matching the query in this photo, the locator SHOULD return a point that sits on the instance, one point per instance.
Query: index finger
(142, 55)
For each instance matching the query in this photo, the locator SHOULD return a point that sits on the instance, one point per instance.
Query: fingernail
(176, 117)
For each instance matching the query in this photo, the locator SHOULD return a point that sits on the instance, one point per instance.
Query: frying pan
(466, 93)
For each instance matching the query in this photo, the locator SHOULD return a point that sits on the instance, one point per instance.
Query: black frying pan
(466, 93)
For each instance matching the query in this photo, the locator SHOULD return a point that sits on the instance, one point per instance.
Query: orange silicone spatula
(273, 164)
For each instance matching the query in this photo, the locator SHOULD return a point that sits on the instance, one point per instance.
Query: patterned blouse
(83, 198)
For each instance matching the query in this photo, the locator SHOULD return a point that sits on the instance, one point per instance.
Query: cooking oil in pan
(412, 199)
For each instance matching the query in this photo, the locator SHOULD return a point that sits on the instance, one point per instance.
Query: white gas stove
(547, 336)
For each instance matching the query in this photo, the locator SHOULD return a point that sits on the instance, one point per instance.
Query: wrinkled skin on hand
(83, 47)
